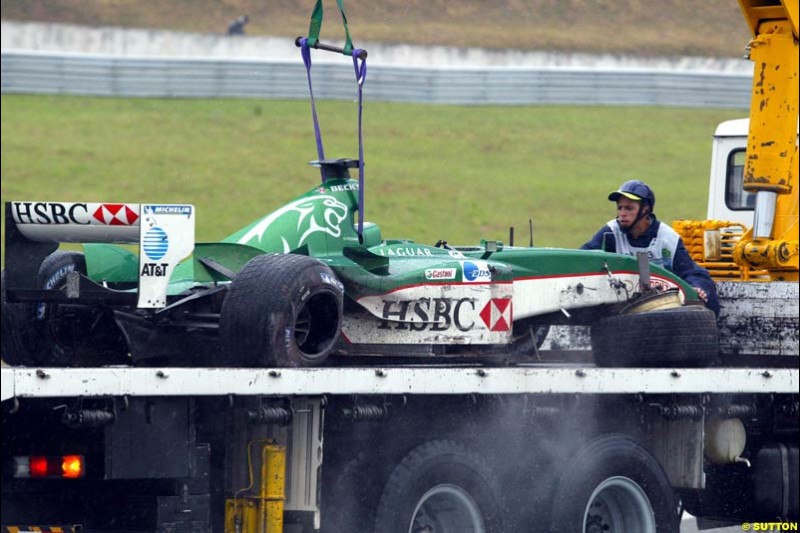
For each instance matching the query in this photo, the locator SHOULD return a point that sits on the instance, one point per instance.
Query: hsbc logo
(433, 314)
(60, 213)
(115, 215)
(50, 213)
(496, 314)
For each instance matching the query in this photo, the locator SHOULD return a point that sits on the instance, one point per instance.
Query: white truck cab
(726, 198)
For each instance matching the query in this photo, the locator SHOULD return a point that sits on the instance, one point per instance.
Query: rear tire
(52, 334)
(441, 486)
(281, 310)
(682, 336)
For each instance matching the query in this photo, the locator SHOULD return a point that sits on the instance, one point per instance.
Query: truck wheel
(283, 310)
(682, 336)
(440, 486)
(614, 485)
(51, 334)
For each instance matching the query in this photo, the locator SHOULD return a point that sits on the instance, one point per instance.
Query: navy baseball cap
(635, 190)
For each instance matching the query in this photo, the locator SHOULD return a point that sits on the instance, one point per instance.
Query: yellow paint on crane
(710, 244)
(273, 488)
(261, 512)
(771, 167)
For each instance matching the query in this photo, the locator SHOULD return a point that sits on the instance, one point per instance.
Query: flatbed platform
(18, 382)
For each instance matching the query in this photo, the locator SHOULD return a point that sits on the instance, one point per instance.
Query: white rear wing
(163, 232)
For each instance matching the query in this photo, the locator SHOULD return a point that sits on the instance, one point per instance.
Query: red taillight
(40, 466)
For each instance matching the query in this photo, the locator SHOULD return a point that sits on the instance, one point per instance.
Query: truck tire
(49, 334)
(441, 486)
(682, 336)
(614, 485)
(281, 310)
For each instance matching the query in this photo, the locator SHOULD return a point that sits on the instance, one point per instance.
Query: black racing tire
(614, 485)
(681, 336)
(50, 334)
(27, 336)
(445, 486)
(281, 310)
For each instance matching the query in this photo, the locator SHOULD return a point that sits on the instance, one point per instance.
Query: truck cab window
(737, 198)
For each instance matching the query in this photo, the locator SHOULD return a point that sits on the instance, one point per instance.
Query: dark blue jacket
(682, 263)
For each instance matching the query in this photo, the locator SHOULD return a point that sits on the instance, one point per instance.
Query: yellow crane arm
(772, 164)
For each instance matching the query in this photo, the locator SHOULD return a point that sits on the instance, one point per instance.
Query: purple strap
(361, 75)
(306, 53)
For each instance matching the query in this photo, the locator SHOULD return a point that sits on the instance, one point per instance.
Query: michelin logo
(169, 209)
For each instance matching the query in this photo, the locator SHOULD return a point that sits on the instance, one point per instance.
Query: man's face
(627, 210)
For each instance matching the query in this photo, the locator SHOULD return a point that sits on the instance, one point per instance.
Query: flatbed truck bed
(528, 379)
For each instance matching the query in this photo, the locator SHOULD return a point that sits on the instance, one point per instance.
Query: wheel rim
(447, 509)
(316, 326)
(618, 505)
(302, 326)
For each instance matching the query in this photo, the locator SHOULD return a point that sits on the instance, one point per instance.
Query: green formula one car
(301, 285)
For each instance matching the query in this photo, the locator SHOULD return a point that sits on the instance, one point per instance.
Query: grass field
(433, 172)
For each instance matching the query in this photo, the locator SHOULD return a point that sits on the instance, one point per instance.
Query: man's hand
(702, 294)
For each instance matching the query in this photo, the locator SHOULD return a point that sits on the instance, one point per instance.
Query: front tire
(441, 486)
(614, 485)
(281, 310)
(681, 336)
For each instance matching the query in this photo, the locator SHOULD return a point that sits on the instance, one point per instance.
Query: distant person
(237, 26)
(636, 229)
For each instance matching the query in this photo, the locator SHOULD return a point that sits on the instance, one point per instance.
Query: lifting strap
(357, 54)
(315, 26)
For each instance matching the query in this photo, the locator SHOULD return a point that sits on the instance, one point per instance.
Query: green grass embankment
(433, 172)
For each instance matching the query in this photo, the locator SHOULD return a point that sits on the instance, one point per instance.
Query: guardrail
(83, 74)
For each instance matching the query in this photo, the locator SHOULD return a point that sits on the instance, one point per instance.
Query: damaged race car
(301, 286)
(313, 280)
